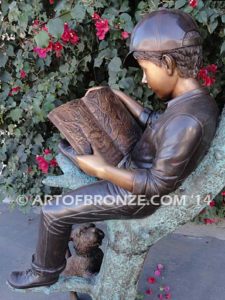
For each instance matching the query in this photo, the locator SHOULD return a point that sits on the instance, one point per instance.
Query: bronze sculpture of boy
(167, 45)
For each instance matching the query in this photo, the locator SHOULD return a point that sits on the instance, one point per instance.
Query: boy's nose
(144, 79)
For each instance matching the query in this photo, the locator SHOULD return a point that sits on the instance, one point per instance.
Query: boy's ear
(169, 64)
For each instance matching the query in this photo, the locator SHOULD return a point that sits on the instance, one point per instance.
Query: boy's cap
(162, 30)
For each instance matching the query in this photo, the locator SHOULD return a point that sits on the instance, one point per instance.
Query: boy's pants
(108, 202)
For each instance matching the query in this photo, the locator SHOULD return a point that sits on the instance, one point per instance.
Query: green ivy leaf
(153, 3)
(16, 114)
(102, 54)
(203, 17)
(18, 132)
(10, 51)
(64, 68)
(110, 13)
(5, 76)
(201, 5)
(212, 26)
(38, 139)
(90, 10)
(23, 20)
(125, 6)
(42, 39)
(126, 22)
(78, 12)
(222, 49)
(127, 83)
(56, 27)
(14, 12)
(115, 64)
(100, 4)
(3, 60)
(180, 3)
(4, 7)
(103, 45)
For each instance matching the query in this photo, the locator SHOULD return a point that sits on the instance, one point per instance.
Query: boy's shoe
(30, 278)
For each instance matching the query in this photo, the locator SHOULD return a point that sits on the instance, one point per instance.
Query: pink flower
(96, 17)
(23, 74)
(69, 35)
(151, 280)
(42, 164)
(208, 81)
(74, 39)
(125, 35)
(160, 267)
(168, 296)
(102, 27)
(193, 3)
(41, 52)
(212, 203)
(58, 48)
(149, 292)
(157, 273)
(66, 34)
(202, 73)
(51, 2)
(14, 90)
(35, 23)
(212, 68)
(44, 28)
(50, 47)
(160, 296)
(209, 221)
(53, 163)
(205, 76)
(47, 151)
(166, 288)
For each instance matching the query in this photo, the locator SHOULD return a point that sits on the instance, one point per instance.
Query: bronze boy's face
(161, 80)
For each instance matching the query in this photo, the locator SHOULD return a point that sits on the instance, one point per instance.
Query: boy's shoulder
(197, 105)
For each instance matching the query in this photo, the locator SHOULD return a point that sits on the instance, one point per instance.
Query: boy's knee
(51, 210)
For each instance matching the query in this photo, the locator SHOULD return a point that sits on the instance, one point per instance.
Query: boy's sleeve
(148, 116)
(176, 143)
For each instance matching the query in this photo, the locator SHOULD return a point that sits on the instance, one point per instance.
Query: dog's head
(87, 237)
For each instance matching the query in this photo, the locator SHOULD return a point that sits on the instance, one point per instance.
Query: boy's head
(167, 44)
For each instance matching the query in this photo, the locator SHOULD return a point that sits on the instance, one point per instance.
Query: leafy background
(31, 86)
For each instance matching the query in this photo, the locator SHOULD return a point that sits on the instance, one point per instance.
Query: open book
(99, 119)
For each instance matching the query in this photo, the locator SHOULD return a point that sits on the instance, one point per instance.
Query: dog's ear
(100, 234)
(75, 233)
(92, 225)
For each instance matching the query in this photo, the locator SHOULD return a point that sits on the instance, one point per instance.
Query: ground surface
(193, 256)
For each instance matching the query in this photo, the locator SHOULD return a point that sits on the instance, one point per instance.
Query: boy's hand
(92, 164)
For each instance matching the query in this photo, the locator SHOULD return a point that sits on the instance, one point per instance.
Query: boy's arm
(143, 115)
(177, 143)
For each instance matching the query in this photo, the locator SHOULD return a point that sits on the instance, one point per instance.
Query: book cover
(99, 119)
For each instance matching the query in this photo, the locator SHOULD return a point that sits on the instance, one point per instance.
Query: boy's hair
(188, 59)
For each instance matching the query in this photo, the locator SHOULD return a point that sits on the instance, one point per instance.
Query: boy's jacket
(173, 142)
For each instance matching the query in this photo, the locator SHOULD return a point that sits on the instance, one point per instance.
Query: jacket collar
(186, 96)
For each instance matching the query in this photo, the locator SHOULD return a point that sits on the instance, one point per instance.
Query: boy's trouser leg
(58, 217)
